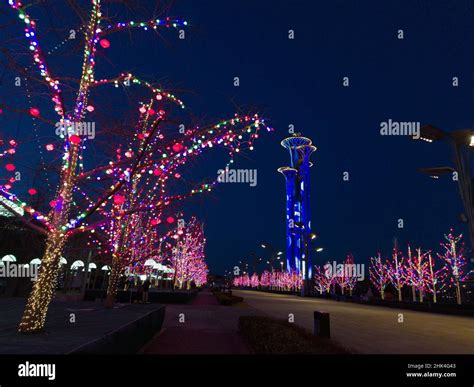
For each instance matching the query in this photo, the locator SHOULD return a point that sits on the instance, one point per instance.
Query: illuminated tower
(298, 215)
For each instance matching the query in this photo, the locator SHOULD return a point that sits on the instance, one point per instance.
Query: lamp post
(274, 255)
(245, 266)
(461, 142)
(255, 261)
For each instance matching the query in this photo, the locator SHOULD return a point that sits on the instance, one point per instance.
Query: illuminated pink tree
(141, 162)
(345, 275)
(434, 281)
(411, 277)
(265, 279)
(379, 275)
(352, 276)
(397, 271)
(187, 256)
(246, 280)
(254, 282)
(323, 280)
(418, 273)
(455, 262)
(55, 224)
(237, 282)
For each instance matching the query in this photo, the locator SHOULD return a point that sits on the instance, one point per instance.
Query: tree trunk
(113, 281)
(34, 316)
(458, 291)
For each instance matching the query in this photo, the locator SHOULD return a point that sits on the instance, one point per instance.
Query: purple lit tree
(379, 275)
(397, 272)
(455, 262)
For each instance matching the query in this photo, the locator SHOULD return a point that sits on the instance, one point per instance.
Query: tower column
(290, 176)
(298, 214)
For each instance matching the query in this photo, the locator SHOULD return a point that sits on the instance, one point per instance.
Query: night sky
(299, 82)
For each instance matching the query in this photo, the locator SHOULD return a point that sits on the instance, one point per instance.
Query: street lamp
(319, 249)
(255, 261)
(273, 253)
(462, 142)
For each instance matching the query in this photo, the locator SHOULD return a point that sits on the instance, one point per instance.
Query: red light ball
(34, 112)
(119, 199)
(75, 139)
(104, 43)
(177, 147)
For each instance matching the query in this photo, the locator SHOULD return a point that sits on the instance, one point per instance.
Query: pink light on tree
(146, 162)
(418, 273)
(323, 280)
(379, 275)
(455, 262)
(187, 256)
(345, 275)
(351, 273)
(411, 278)
(434, 278)
(246, 280)
(55, 224)
(254, 282)
(397, 272)
(265, 279)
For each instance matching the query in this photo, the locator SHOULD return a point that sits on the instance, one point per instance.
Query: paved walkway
(373, 329)
(208, 328)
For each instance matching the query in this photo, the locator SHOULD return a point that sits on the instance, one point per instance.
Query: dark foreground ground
(70, 325)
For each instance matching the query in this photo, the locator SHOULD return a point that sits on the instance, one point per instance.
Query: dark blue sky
(300, 82)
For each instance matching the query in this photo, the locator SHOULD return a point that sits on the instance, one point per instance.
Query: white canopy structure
(9, 258)
(76, 265)
(159, 267)
(35, 261)
(150, 262)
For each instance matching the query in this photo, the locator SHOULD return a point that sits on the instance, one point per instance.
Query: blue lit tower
(292, 256)
(298, 215)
